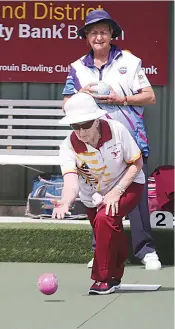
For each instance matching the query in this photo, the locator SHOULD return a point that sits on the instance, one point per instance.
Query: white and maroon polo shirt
(99, 169)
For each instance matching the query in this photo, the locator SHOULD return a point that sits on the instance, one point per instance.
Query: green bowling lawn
(24, 307)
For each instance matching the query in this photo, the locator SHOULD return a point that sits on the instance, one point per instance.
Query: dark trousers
(142, 241)
(111, 243)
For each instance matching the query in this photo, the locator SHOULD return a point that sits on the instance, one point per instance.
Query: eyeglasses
(86, 125)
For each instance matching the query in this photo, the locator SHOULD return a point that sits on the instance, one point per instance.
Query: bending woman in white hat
(101, 161)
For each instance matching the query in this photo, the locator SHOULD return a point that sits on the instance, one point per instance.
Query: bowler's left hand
(111, 199)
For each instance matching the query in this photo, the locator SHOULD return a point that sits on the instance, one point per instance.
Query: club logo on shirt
(115, 154)
(123, 70)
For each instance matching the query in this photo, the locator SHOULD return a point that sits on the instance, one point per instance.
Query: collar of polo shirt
(106, 135)
(115, 53)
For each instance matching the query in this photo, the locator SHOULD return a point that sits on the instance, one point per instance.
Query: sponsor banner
(38, 39)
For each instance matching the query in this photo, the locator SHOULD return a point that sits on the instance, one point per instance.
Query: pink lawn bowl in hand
(47, 283)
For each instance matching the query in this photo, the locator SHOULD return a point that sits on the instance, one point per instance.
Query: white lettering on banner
(61, 68)
(72, 32)
(150, 70)
(25, 31)
(9, 68)
(5, 32)
(39, 68)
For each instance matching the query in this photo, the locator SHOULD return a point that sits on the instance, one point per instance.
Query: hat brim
(77, 118)
(116, 28)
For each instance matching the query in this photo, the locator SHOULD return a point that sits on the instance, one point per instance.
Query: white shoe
(90, 264)
(151, 261)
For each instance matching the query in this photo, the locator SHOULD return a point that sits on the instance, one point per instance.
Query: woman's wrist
(124, 101)
(120, 188)
(121, 101)
(66, 202)
(58, 203)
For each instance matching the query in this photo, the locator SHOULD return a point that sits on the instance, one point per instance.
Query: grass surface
(45, 226)
(65, 243)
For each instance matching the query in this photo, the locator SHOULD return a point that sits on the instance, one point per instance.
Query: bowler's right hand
(60, 210)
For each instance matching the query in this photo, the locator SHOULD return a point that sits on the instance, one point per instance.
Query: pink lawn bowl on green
(47, 283)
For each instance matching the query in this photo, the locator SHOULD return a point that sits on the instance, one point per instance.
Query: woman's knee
(101, 218)
(104, 220)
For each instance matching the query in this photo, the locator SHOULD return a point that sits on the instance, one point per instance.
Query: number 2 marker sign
(161, 219)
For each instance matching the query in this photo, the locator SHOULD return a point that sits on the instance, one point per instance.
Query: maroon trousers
(111, 243)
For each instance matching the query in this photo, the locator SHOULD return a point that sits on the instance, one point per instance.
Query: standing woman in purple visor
(130, 91)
